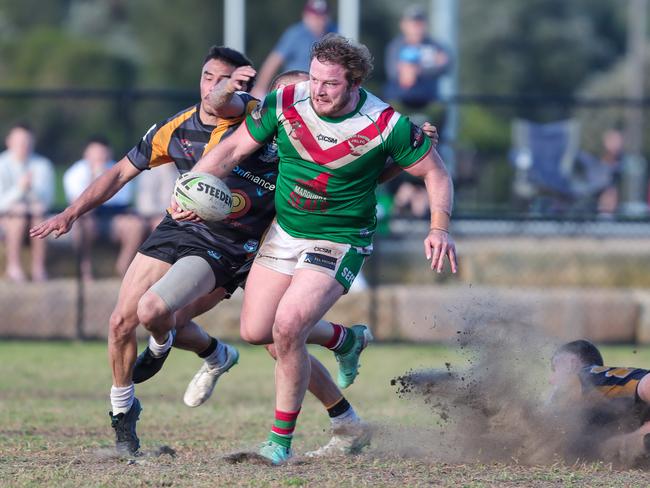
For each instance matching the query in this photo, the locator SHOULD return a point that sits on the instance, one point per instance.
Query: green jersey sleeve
(262, 122)
(407, 143)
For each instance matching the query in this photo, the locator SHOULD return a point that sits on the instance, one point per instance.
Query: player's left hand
(437, 245)
(177, 213)
(431, 132)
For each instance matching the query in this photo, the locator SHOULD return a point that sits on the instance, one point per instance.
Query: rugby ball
(204, 194)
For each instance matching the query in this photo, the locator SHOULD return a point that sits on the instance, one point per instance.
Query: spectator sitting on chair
(292, 52)
(113, 219)
(414, 62)
(611, 161)
(26, 193)
(599, 177)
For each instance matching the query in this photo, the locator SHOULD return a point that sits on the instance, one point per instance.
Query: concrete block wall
(422, 313)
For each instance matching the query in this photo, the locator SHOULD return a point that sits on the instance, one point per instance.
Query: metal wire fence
(514, 227)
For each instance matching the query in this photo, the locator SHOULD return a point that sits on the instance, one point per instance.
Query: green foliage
(28, 14)
(553, 47)
(174, 38)
(538, 46)
(50, 58)
(484, 128)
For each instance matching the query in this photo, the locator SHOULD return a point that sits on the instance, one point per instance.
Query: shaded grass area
(55, 430)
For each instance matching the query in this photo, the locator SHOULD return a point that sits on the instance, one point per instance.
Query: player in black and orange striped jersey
(178, 263)
(616, 399)
(186, 268)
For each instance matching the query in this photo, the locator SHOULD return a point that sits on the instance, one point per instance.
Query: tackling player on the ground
(183, 268)
(614, 400)
(333, 139)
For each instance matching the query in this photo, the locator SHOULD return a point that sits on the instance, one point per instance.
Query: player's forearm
(223, 102)
(221, 160)
(220, 96)
(440, 190)
(441, 196)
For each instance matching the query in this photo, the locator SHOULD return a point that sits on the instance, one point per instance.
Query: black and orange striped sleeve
(153, 148)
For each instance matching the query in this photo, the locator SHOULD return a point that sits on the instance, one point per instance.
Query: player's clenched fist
(240, 78)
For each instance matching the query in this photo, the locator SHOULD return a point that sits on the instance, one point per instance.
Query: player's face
(563, 365)
(213, 72)
(331, 95)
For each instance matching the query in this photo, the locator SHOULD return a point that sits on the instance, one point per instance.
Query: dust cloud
(493, 406)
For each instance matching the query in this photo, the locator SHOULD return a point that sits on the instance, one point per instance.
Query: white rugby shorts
(283, 253)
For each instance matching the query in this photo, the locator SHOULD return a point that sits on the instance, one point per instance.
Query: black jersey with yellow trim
(611, 400)
(611, 382)
(182, 140)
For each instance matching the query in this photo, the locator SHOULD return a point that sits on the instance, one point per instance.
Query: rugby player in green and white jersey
(333, 140)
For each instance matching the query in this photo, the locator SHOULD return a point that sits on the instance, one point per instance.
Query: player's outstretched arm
(228, 153)
(438, 242)
(222, 100)
(100, 190)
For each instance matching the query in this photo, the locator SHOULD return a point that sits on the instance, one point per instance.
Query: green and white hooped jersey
(329, 166)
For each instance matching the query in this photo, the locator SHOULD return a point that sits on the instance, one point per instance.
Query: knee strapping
(189, 278)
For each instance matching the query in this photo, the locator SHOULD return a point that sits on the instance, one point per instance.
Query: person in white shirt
(113, 219)
(26, 193)
(154, 189)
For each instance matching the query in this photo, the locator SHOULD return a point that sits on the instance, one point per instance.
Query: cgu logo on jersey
(311, 195)
(358, 144)
(324, 138)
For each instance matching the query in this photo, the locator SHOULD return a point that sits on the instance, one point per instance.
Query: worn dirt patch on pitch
(247, 457)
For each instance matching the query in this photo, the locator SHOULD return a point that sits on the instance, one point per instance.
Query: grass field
(54, 426)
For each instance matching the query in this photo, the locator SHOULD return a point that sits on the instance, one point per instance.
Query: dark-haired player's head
(289, 78)
(227, 55)
(218, 65)
(569, 358)
(587, 353)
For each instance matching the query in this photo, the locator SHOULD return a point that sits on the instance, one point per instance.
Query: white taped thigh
(189, 278)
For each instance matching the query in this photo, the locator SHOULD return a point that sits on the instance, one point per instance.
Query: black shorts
(169, 243)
